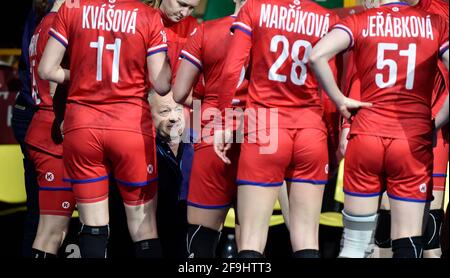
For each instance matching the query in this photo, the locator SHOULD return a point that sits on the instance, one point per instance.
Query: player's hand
(222, 143)
(349, 106)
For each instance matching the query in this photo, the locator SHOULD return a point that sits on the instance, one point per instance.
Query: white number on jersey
(115, 47)
(296, 78)
(392, 65)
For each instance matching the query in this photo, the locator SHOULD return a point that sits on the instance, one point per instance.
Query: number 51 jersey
(396, 48)
(280, 35)
(108, 44)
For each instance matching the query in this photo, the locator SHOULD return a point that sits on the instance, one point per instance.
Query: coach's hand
(222, 143)
(347, 106)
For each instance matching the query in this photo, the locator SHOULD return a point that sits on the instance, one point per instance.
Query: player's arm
(187, 76)
(443, 115)
(328, 47)
(159, 72)
(50, 66)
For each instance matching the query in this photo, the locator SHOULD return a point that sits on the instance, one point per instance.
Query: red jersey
(177, 36)
(41, 133)
(441, 82)
(206, 49)
(396, 50)
(108, 44)
(278, 36)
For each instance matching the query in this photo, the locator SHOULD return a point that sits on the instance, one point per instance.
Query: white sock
(357, 235)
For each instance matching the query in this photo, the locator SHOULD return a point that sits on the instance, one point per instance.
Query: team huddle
(277, 81)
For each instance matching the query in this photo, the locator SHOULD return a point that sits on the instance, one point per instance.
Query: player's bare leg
(94, 232)
(305, 204)
(205, 226)
(382, 246)
(283, 198)
(407, 219)
(359, 225)
(141, 220)
(51, 232)
(255, 207)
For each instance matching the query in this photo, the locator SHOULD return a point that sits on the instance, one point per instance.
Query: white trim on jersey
(346, 29)
(59, 36)
(192, 57)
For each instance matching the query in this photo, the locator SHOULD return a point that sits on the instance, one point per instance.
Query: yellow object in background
(12, 183)
(339, 191)
(274, 219)
(350, 3)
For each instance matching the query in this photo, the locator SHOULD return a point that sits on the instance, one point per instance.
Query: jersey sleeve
(238, 53)
(157, 38)
(350, 26)
(443, 35)
(192, 51)
(244, 20)
(60, 28)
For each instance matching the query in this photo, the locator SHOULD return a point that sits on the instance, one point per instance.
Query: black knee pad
(201, 242)
(250, 254)
(431, 236)
(149, 248)
(306, 254)
(383, 230)
(408, 247)
(93, 241)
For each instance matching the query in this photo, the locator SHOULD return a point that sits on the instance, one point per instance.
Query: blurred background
(12, 190)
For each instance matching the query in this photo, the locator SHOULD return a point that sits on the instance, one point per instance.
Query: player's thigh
(133, 162)
(55, 195)
(213, 183)
(309, 162)
(259, 168)
(363, 168)
(409, 167)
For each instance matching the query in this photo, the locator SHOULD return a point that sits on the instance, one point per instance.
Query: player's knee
(202, 241)
(408, 247)
(431, 235)
(383, 229)
(93, 241)
(250, 254)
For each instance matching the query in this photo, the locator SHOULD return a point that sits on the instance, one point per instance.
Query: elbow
(313, 59)
(44, 72)
(163, 88)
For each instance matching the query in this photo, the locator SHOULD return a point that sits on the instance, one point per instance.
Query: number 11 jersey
(108, 44)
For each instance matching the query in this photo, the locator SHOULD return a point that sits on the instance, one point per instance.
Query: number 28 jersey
(279, 35)
(108, 44)
(396, 50)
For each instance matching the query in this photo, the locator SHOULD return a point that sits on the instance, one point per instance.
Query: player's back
(283, 34)
(434, 6)
(216, 41)
(396, 51)
(40, 89)
(108, 44)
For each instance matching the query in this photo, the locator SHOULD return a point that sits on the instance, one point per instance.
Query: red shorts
(402, 167)
(92, 156)
(55, 195)
(212, 184)
(294, 155)
(440, 162)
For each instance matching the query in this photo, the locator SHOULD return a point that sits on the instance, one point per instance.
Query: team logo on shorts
(65, 205)
(49, 176)
(423, 188)
(326, 169)
(150, 169)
